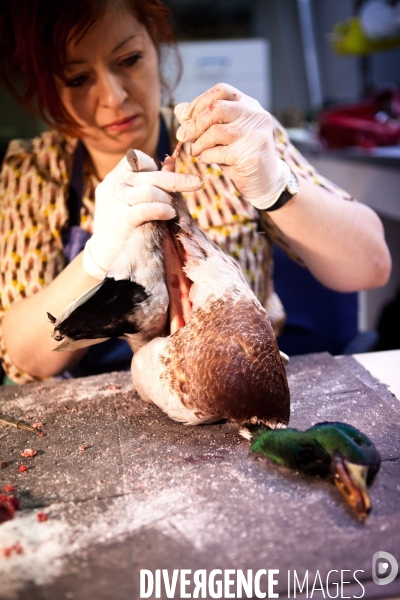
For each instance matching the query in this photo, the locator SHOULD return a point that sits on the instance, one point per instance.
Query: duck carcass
(213, 355)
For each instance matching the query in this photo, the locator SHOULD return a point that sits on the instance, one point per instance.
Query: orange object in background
(370, 122)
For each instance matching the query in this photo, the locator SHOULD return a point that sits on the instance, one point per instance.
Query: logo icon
(381, 568)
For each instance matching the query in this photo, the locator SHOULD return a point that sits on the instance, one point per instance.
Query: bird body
(221, 359)
(225, 362)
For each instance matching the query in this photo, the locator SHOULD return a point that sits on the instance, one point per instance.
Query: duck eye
(360, 441)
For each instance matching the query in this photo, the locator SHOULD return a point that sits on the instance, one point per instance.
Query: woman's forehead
(109, 34)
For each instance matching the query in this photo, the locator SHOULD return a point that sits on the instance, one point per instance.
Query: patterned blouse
(34, 187)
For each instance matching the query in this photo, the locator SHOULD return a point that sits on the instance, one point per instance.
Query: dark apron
(114, 354)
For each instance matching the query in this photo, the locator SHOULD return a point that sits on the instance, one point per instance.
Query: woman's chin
(115, 142)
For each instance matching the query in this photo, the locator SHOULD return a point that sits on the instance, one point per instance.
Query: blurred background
(313, 64)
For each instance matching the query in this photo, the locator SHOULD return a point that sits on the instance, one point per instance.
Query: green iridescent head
(332, 451)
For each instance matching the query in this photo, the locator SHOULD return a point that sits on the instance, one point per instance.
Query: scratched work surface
(150, 493)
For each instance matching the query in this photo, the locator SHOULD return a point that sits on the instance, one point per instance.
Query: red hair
(33, 44)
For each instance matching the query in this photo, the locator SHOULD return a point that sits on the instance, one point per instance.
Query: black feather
(110, 312)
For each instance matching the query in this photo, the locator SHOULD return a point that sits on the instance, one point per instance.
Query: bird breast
(223, 360)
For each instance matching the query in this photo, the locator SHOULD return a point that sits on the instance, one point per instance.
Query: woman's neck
(100, 162)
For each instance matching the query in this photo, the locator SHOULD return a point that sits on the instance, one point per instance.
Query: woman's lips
(121, 125)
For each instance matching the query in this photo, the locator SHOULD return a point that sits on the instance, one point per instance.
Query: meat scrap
(28, 453)
(42, 517)
(37, 425)
(17, 423)
(84, 447)
(8, 506)
(4, 464)
(22, 468)
(9, 488)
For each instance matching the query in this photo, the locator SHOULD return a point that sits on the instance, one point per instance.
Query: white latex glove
(126, 199)
(233, 130)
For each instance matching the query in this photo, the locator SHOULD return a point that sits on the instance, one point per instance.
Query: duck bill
(351, 481)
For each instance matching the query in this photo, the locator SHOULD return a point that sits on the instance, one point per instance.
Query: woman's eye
(76, 81)
(129, 61)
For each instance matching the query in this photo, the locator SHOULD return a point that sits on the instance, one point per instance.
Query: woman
(93, 72)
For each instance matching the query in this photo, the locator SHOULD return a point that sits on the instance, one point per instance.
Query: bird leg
(170, 161)
(351, 481)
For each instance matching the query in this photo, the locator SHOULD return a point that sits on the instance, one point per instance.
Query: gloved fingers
(154, 211)
(164, 180)
(221, 91)
(142, 194)
(217, 112)
(253, 147)
(180, 111)
(218, 135)
(221, 155)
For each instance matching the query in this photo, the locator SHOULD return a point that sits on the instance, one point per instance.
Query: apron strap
(163, 147)
(74, 238)
(76, 187)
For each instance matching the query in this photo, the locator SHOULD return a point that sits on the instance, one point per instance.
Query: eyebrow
(117, 47)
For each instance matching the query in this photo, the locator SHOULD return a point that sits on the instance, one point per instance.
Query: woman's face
(112, 87)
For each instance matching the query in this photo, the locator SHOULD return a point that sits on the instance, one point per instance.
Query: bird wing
(80, 300)
(109, 309)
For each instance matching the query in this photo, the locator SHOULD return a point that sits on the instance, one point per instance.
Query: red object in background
(373, 121)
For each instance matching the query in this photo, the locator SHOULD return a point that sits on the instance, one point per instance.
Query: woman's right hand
(125, 200)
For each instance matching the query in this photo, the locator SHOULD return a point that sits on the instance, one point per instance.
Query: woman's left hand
(233, 130)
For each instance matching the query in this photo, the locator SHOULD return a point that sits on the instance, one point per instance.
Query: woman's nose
(112, 92)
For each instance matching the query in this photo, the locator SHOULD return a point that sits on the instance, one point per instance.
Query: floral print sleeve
(33, 183)
(299, 165)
